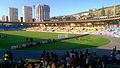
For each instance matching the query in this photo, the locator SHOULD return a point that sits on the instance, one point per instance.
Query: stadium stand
(75, 30)
(113, 31)
(11, 28)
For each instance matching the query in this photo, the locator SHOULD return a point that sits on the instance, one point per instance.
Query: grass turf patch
(19, 37)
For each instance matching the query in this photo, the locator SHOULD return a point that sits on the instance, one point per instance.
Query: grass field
(19, 37)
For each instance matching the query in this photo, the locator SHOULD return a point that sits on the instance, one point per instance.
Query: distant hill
(104, 11)
(91, 13)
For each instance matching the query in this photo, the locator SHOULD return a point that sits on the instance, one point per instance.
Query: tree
(103, 11)
(59, 18)
(53, 17)
(91, 15)
(118, 12)
(67, 18)
(72, 18)
(108, 13)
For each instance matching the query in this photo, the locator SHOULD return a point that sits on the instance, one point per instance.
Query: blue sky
(57, 7)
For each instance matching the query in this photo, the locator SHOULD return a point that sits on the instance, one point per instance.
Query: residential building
(13, 14)
(27, 14)
(5, 18)
(77, 16)
(42, 13)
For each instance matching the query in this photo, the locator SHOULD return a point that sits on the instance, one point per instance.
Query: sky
(57, 7)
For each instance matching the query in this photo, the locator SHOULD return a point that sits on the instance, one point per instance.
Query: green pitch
(19, 37)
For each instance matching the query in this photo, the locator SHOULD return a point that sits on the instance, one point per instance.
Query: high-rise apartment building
(42, 13)
(13, 14)
(27, 14)
(5, 18)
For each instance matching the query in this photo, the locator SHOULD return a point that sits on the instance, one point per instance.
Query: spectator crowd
(113, 31)
(67, 29)
(69, 59)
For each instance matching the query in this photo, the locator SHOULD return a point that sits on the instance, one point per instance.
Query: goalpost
(64, 35)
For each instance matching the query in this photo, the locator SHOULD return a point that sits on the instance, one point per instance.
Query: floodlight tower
(34, 12)
(114, 7)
